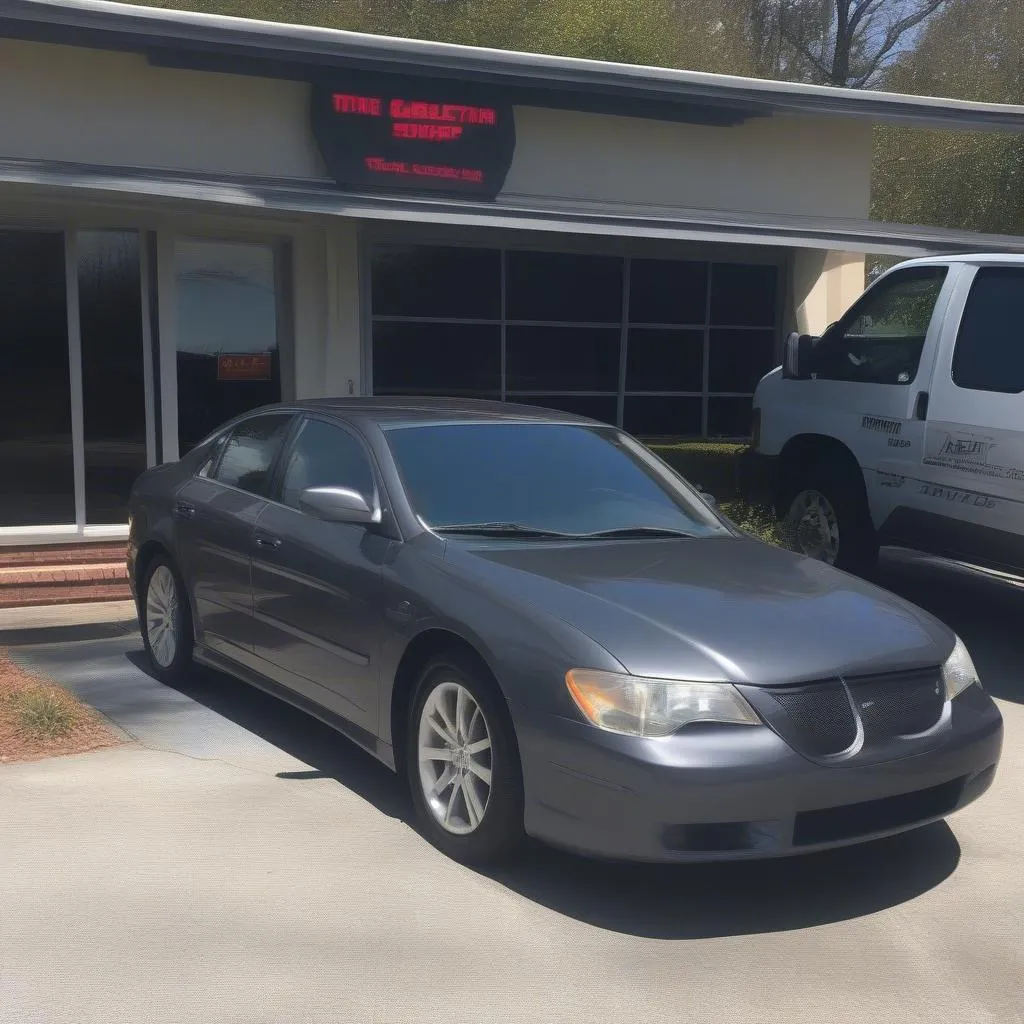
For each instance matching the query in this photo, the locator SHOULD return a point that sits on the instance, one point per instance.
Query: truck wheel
(827, 518)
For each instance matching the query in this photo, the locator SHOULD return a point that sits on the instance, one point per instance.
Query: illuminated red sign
(413, 135)
(244, 367)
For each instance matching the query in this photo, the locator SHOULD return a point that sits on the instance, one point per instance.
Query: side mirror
(796, 361)
(338, 505)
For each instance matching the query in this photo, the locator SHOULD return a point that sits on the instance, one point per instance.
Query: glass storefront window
(228, 352)
(546, 328)
(36, 457)
(113, 374)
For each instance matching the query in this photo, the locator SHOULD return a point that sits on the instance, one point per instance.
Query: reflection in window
(881, 339)
(36, 464)
(113, 380)
(227, 306)
(250, 452)
(326, 456)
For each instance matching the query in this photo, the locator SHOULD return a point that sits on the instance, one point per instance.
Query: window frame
(277, 480)
(775, 258)
(837, 330)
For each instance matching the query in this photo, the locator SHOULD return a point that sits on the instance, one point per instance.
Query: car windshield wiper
(500, 530)
(636, 531)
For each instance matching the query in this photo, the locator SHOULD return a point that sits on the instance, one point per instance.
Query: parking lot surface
(239, 862)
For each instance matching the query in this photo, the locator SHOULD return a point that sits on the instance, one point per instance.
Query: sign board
(413, 135)
(244, 367)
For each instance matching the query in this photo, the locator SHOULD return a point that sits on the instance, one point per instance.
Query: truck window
(989, 353)
(879, 341)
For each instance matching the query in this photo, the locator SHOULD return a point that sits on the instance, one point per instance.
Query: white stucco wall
(824, 286)
(788, 165)
(100, 107)
(93, 106)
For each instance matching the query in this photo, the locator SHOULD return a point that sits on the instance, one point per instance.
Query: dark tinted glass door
(228, 358)
(113, 375)
(37, 485)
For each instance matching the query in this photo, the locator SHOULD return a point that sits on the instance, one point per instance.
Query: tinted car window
(250, 452)
(325, 456)
(561, 477)
(881, 339)
(989, 353)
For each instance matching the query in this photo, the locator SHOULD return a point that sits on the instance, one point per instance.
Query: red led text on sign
(426, 132)
(453, 113)
(400, 167)
(347, 104)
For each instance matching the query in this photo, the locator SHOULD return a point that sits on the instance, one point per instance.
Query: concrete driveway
(241, 863)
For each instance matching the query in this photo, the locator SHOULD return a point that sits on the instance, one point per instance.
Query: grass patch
(40, 719)
(44, 713)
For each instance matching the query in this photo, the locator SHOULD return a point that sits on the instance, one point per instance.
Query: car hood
(712, 609)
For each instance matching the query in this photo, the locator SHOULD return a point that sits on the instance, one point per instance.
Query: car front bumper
(738, 792)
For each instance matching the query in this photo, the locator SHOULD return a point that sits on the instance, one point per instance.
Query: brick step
(22, 586)
(62, 554)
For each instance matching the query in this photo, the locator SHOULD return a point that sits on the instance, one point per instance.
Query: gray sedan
(549, 633)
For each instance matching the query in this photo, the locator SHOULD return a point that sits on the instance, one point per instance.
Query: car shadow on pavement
(699, 901)
(985, 610)
(327, 753)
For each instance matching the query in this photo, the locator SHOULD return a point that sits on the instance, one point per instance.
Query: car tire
(166, 621)
(468, 790)
(826, 516)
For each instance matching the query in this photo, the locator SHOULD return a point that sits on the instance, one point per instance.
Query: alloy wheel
(814, 526)
(163, 622)
(454, 753)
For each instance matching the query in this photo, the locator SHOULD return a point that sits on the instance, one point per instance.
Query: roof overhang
(272, 49)
(313, 199)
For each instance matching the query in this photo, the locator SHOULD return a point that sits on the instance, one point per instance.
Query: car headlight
(959, 673)
(635, 706)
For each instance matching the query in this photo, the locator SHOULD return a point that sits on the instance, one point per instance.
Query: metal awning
(322, 199)
(273, 49)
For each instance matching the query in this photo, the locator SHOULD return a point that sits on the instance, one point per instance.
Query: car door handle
(184, 510)
(268, 542)
(921, 406)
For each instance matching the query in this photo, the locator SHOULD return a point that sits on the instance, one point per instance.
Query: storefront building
(199, 215)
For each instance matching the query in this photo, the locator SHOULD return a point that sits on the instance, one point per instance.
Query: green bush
(44, 713)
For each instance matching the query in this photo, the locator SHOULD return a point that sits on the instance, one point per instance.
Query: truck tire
(826, 516)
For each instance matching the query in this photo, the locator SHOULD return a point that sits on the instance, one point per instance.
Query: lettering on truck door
(972, 467)
(874, 359)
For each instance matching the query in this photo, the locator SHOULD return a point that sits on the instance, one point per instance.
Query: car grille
(898, 705)
(820, 717)
(823, 719)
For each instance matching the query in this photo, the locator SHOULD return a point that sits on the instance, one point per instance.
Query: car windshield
(540, 479)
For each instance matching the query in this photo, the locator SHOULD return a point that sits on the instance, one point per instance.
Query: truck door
(969, 499)
(868, 369)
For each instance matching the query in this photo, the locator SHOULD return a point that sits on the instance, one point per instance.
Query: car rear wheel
(166, 621)
(827, 518)
(463, 764)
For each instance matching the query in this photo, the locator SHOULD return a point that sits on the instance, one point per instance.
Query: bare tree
(834, 42)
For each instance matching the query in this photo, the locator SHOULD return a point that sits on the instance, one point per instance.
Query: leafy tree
(974, 50)
(833, 42)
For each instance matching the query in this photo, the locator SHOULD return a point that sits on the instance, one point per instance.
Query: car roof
(392, 410)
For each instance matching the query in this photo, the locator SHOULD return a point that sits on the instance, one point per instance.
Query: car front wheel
(463, 764)
(166, 621)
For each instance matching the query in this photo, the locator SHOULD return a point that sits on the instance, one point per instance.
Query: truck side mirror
(796, 361)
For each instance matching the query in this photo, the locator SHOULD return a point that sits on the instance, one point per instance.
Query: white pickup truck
(904, 422)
